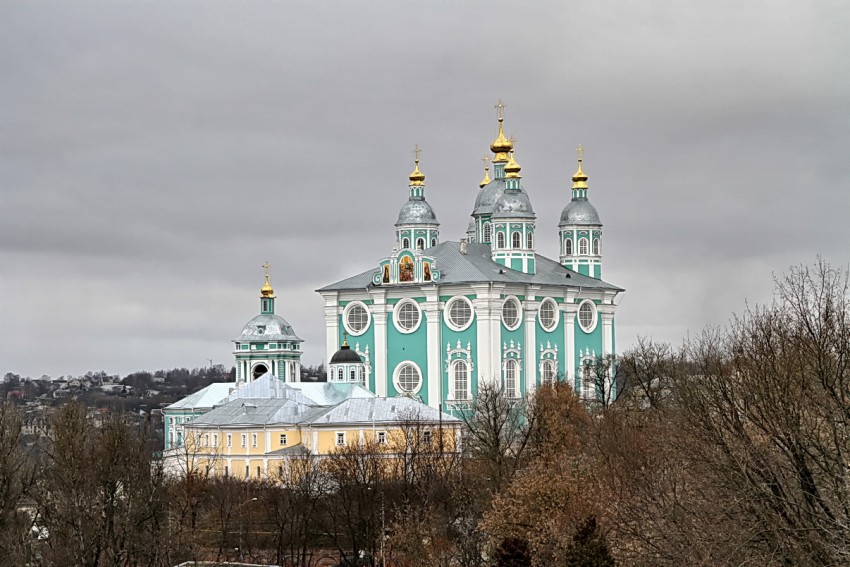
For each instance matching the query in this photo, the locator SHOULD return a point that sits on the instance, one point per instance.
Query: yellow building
(262, 426)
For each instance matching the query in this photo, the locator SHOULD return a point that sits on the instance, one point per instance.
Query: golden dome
(501, 145)
(417, 177)
(512, 168)
(486, 179)
(267, 290)
(579, 177)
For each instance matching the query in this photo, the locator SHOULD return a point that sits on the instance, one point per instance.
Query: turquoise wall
(411, 346)
(556, 338)
(367, 338)
(592, 340)
(447, 335)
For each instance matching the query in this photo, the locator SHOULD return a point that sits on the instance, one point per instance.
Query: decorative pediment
(406, 267)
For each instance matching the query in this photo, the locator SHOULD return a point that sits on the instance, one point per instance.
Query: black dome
(345, 354)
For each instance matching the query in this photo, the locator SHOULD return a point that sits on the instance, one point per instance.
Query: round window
(355, 318)
(587, 316)
(458, 313)
(407, 316)
(548, 314)
(408, 380)
(510, 313)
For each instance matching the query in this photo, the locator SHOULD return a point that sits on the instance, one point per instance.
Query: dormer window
(261, 329)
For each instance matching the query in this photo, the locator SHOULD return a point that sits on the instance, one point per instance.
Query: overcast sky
(154, 154)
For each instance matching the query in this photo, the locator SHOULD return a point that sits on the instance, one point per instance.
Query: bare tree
(17, 478)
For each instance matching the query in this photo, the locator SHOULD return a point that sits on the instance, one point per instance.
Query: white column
(530, 350)
(607, 315)
(483, 330)
(569, 316)
(331, 324)
(379, 320)
(434, 372)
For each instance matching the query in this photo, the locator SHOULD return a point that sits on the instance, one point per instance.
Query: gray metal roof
(477, 266)
(298, 403)
(489, 195)
(513, 204)
(579, 212)
(267, 327)
(205, 397)
(416, 211)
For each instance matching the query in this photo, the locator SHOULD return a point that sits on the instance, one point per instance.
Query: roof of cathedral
(477, 266)
(581, 212)
(267, 327)
(416, 211)
(268, 400)
(513, 204)
(345, 354)
(489, 195)
(205, 397)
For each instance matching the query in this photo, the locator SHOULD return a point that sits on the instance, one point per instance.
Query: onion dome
(268, 327)
(345, 354)
(416, 212)
(513, 204)
(486, 179)
(267, 290)
(512, 168)
(579, 177)
(580, 212)
(417, 178)
(501, 145)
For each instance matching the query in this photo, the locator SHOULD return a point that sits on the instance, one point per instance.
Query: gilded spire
(267, 290)
(512, 168)
(486, 180)
(501, 145)
(579, 177)
(417, 178)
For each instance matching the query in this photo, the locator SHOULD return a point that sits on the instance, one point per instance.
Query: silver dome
(268, 327)
(513, 205)
(416, 212)
(580, 212)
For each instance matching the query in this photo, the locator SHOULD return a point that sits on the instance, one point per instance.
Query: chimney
(463, 246)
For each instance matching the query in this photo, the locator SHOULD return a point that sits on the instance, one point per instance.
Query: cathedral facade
(437, 319)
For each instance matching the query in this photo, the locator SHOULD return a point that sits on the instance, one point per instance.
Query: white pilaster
(569, 317)
(332, 313)
(530, 307)
(379, 320)
(434, 372)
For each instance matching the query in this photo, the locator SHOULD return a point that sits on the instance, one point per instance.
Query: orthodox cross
(266, 267)
(486, 160)
(416, 151)
(500, 109)
(580, 150)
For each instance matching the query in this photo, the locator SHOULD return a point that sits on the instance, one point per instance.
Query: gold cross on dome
(580, 151)
(416, 151)
(266, 267)
(500, 109)
(486, 160)
(513, 139)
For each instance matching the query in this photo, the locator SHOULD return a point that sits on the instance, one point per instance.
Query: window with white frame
(355, 318)
(353, 375)
(420, 243)
(516, 239)
(582, 246)
(588, 383)
(427, 437)
(215, 439)
(229, 440)
(253, 440)
(587, 316)
(511, 313)
(340, 438)
(458, 313)
(488, 232)
(405, 242)
(283, 439)
(460, 380)
(407, 378)
(381, 437)
(548, 314)
(511, 378)
(406, 316)
(547, 372)
(596, 246)
(500, 240)
(433, 242)
(568, 247)
(244, 439)
(529, 239)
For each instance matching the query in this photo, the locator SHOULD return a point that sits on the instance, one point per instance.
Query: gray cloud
(153, 155)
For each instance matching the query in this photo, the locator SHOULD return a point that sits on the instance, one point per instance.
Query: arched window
(341, 374)
(511, 378)
(433, 242)
(405, 242)
(460, 375)
(488, 232)
(547, 374)
(596, 247)
(582, 246)
(568, 247)
(529, 240)
(500, 240)
(420, 243)
(516, 240)
(588, 385)
(353, 375)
